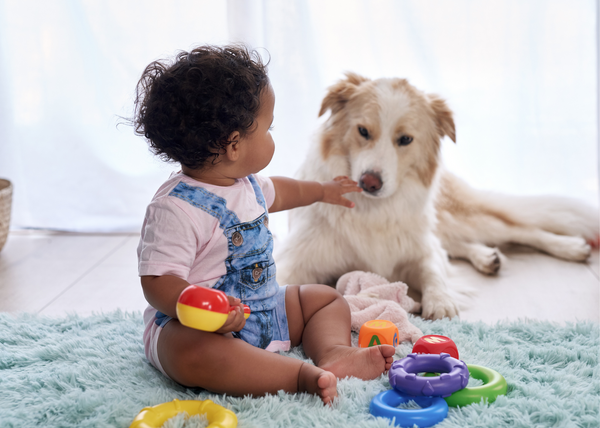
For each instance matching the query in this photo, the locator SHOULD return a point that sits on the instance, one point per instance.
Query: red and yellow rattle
(204, 308)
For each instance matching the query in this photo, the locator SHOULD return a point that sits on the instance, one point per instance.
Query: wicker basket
(5, 205)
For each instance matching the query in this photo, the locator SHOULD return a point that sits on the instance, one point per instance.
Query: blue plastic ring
(433, 411)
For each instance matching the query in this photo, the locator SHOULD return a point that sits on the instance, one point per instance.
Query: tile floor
(53, 273)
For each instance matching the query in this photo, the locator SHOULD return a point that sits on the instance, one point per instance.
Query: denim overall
(250, 266)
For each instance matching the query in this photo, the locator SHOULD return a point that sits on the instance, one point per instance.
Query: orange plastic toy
(378, 332)
(204, 308)
(434, 344)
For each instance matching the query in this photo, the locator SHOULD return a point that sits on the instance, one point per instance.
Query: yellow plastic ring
(156, 416)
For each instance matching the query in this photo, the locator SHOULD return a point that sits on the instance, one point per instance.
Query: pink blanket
(371, 297)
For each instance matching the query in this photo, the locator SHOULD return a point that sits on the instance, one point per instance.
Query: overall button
(256, 273)
(266, 222)
(237, 239)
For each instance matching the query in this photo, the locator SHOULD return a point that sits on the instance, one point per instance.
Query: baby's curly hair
(187, 110)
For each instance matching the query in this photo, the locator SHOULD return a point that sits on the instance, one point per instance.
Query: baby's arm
(163, 291)
(290, 193)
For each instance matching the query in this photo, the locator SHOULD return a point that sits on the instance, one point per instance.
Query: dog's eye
(405, 140)
(363, 132)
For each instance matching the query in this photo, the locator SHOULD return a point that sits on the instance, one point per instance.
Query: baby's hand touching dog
(333, 191)
(235, 320)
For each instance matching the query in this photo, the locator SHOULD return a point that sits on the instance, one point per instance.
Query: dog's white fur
(421, 214)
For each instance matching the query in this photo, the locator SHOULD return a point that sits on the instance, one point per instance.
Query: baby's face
(258, 146)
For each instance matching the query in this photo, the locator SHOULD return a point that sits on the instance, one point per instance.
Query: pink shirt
(182, 240)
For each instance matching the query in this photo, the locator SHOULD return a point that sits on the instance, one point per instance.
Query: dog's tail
(555, 214)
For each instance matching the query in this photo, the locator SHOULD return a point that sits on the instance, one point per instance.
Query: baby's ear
(339, 93)
(443, 117)
(232, 149)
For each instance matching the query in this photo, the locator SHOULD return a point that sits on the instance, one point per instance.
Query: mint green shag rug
(91, 372)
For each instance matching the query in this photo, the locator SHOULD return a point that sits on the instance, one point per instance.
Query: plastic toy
(385, 404)
(378, 332)
(204, 308)
(156, 416)
(494, 385)
(428, 390)
(454, 375)
(434, 344)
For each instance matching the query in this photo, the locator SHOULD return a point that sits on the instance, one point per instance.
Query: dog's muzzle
(370, 182)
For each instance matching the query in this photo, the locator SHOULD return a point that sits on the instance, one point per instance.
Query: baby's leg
(319, 318)
(223, 364)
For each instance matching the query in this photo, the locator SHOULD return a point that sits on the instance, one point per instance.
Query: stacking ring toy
(434, 409)
(156, 416)
(204, 308)
(435, 344)
(494, 385)
(454, 375)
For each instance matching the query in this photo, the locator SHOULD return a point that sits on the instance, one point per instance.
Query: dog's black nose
(370, 182)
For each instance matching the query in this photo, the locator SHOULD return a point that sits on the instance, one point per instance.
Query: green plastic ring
(494, 385)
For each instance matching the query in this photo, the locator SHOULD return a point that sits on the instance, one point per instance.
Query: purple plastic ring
(454, 375)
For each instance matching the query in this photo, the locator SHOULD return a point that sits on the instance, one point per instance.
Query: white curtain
(520, 75)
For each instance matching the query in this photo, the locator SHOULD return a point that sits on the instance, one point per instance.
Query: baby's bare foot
(317, 381)
(363, 363)
(327, 383)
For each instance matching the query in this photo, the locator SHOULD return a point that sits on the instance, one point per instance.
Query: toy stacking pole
(204, 308)
(435, 344)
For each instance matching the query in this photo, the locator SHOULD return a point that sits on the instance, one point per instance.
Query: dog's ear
(339, 93)
(443, 117)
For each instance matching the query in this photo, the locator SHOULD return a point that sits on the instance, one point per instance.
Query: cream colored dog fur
(413, 214)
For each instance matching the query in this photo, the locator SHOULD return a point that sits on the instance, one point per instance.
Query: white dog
(385, 134)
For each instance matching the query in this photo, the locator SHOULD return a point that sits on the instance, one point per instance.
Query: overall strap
(208, 202)
(260, 198)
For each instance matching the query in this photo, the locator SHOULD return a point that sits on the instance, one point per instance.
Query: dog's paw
(487, 260)
(438, 305)
(571, 248)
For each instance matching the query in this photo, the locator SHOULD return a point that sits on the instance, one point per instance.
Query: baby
(211, 110)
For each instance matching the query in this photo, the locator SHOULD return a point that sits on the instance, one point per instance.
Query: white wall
(521, 77)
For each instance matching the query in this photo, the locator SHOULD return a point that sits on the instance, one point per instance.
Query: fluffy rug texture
(91, 372)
